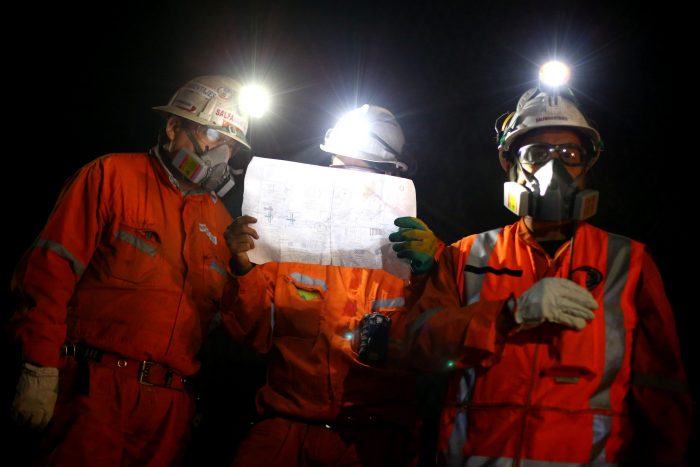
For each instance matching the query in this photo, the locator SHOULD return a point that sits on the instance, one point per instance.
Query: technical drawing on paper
(322, 215)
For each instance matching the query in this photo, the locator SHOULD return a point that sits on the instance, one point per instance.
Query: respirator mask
(550, 193)
(207, 167)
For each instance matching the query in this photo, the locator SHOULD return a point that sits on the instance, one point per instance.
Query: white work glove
(557, 300)
(35, 395)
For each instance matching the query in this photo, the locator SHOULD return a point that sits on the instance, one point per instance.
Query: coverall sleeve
(441, 333)
(661, 405)
(247, 306)
(46, 276)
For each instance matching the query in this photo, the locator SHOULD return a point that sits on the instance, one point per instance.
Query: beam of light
(544, 176)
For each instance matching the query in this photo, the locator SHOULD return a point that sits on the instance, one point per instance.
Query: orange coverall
(612, 392)
(128, 265)
(321, 404)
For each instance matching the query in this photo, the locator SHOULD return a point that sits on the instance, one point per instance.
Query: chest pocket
(299, 303)
(135, 255)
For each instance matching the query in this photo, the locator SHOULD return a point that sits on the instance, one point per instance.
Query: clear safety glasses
(212, 139)
(571, 155)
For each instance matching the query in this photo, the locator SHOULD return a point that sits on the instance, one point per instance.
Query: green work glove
(415, 241)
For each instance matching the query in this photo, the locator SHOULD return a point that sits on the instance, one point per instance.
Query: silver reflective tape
(455, 443)
(602, 426)
(615, 279)
(388, 303)
(138, 243)
(479, 257)
(458, 436)
(308, 280)
(77, 266)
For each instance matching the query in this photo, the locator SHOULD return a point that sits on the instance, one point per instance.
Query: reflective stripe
(60, 250)
(458, 435)
(388, 303)
(602, 426)
(308, 280)
(479, 254)
(617, 273)
(217, 267)
(466, 385)
(659, 382)
(136, 242)
(615, 279)
(455, 443)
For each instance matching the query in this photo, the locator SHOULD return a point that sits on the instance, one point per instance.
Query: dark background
(79, 83)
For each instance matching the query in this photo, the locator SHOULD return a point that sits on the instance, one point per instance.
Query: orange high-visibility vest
(553, 394)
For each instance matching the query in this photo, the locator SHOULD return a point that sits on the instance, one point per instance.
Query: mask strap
(193, 140)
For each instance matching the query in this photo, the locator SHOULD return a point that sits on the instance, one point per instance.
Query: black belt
(149, 373)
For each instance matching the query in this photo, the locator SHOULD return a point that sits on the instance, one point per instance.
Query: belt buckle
(69, 350)
(144, 370)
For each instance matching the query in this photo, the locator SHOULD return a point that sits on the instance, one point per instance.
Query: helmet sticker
(224, 93)
(185, 105)
(231, 119)
(200, 89)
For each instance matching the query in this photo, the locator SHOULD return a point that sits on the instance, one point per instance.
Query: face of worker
(561, 145)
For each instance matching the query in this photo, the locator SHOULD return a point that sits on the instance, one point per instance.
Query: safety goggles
(571, 155)
(212, 139)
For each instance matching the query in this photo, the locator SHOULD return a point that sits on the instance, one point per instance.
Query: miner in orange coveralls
(120, 286)
(326, 402)
(563, 337)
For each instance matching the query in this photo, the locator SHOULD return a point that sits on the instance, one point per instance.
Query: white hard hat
(540, 109)
(368, 133)
(212, 101)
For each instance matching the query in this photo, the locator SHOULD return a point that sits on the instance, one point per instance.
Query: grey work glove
(557, 300)
(35, 395)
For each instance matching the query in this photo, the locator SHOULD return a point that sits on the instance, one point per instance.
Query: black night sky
(80, 81)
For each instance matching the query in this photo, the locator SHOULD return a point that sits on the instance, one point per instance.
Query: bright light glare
(255, 100)
(554, 73)
(352, 129)
(544, 176)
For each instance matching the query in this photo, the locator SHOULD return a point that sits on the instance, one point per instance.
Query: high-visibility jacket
(552, 395)
(126, 264)
(305, 316)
